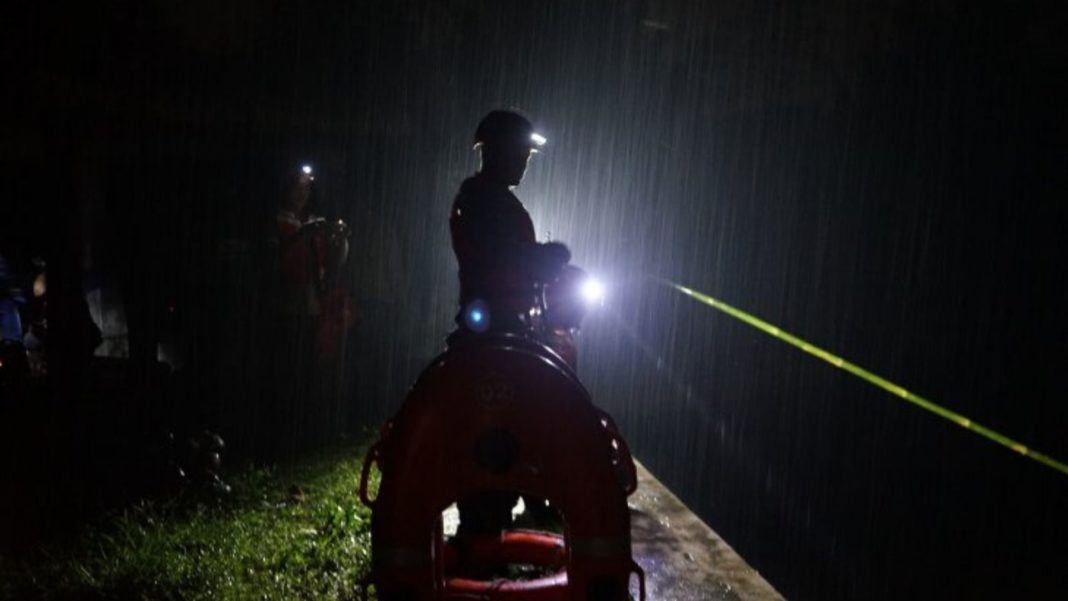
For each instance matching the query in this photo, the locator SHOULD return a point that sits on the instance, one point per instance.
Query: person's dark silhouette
(501, 262)
(502, 269)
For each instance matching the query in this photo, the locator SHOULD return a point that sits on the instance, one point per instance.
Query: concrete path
(683, 559)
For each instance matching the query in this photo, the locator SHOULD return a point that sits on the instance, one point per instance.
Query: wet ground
(683, 559)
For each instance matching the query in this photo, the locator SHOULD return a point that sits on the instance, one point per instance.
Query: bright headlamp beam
(538, 139)
(874, 379)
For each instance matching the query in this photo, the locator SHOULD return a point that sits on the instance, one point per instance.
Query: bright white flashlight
(306, 169)
(593, 291)
(538, 139)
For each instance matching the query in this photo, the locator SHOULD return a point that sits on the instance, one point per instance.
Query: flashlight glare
(593, 291)
(477, 316)
(538, 139)
(306, 169)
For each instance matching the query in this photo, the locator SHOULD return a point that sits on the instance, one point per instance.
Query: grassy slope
(266, 540)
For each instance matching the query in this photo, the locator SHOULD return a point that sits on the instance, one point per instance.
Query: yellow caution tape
(872, 378)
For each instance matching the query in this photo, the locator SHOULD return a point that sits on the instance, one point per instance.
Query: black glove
(548, 259)
(556, 253)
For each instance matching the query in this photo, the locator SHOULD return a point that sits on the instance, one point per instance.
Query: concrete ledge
(683, 559)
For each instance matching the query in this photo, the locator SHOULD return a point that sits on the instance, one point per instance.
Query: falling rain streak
(886, 178)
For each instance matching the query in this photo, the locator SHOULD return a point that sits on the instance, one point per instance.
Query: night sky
(884, 179)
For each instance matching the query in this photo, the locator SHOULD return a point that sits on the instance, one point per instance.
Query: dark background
(883, 179)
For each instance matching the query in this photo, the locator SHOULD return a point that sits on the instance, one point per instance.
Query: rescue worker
(501, 261)
(11, 297)
(314, 313)
(502, 267)
(301, 246)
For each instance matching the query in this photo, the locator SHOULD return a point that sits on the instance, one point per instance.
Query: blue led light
(477, 316)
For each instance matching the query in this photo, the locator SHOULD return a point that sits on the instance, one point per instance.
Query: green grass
(265, 540)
